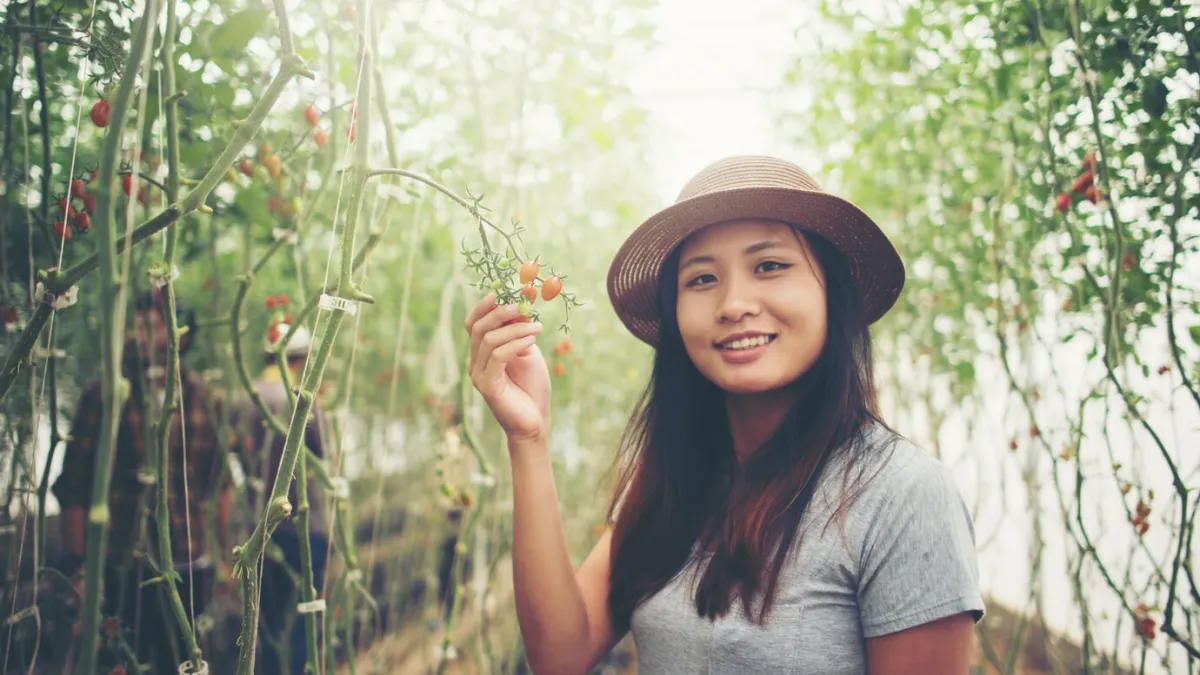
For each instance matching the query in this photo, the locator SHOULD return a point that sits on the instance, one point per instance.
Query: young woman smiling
(766, 519)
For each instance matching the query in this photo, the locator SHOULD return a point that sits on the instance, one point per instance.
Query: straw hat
(749, 186)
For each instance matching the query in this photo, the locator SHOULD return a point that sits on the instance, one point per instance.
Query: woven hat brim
(875, 265)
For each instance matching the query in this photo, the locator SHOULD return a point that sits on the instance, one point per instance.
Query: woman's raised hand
(508, 369)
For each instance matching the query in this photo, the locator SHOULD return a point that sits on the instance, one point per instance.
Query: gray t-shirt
(907, 557)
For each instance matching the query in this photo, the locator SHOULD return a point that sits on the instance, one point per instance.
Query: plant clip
(340, 487)
(484, 479)
(314, 607)
(288, 236)
(354, 576)
(40, 294)
(333, 303)
(20, 616)
(189, 668)
(40, 352)
(205, 624)
(236, 474)
(161, 278)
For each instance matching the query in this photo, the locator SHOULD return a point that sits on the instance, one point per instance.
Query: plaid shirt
(204, 469)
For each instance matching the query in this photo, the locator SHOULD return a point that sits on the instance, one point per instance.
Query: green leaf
(1154, 97)
(232, 36)
(966, 373)
(1194, 331)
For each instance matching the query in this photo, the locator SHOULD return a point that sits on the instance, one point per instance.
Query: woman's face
(751, 305)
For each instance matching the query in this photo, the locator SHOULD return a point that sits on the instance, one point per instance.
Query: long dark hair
(681, 486)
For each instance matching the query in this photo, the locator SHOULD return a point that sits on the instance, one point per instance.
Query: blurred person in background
(767, 520)
(262, 453)
(194, 470)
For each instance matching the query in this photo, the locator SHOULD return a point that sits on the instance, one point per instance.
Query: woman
(767, 520)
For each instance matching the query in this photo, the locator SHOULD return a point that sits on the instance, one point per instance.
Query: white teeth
(747, 343)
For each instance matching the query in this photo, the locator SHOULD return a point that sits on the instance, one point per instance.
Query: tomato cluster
(1144, 625)
(1084, 184)
(70, 217)
(1141, 518)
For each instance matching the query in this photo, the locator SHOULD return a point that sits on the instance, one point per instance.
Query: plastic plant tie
(484, 479)
(236, 474)
(288, 236)
(312, 607)
(160, 278)
(340, 487)
(63, 301)
(40, 352)
(189, 668)
(333, 303)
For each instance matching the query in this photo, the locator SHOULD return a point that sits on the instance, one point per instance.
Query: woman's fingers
(500, 356)
(491, 320)
(487, 304)
(496, 338)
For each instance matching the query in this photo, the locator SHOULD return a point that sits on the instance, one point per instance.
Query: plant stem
(114, 387)
(173, 396)
(39, 67)
(307, 592)
(58, 282)
(247, 557)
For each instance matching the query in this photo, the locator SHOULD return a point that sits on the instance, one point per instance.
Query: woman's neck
(754, 418)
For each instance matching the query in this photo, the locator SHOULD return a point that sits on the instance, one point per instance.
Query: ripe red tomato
(551, 288)
(246, 168)
(1063, 204)
(320, 138)
(529, 272)
(1083, 181)
(311, 115)
(77, 186)
(83, 221)
(529, 292)
(62, 230)
(101, 113)
(65, 209)
(89, 203)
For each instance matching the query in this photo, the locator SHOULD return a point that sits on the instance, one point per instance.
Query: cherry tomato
(529, 292)
(101, 113)
(320, 138)
(77, 186)
(311, 115)
(62, 230)
(273, 165)
(246, 168)
(551, 288)
(83, 221)
(529, 272)
(127, 184)
(89, 203)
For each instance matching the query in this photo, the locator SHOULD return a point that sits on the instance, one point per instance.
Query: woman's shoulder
(885, 473)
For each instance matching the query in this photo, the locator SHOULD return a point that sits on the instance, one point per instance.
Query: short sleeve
(918, 562)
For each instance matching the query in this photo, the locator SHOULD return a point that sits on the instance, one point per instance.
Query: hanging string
(38, 401)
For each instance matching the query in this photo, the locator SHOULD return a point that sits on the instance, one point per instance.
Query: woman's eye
(703, 278)
(771, 266)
